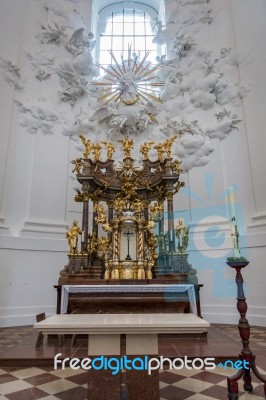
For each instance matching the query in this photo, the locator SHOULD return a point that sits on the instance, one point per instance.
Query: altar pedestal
(138, 384)
(135, 300)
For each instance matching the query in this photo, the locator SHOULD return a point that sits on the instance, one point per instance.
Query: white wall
(36, 185)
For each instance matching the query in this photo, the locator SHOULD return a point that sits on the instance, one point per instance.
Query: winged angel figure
(73, 86)
(78, 43)
(124, 119)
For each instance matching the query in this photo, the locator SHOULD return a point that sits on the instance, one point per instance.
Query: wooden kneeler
(39, 340)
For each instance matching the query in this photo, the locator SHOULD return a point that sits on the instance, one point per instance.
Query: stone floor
(36, 379)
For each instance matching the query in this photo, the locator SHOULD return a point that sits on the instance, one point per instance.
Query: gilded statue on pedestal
(175, 165)
(96, 151)
(182, 234)
(78, 165)
(88, 146)
(127, 145)
(145, 148)
(168, 145)
(101, 216)
(93, 243)
(103, 244)
(110, 148)
(72, 237)
(160, 150)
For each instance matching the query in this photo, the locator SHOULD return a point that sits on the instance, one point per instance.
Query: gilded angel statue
(78, 165)
(96, 151)
(87, 144)
(110, 148)
(127, 145)
(145, 148)
(168, 145)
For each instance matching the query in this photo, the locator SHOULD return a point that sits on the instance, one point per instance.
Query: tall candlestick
(232, 203)
(232, 213)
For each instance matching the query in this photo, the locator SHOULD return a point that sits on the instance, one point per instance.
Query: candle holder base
(246, 355)
(232, 384)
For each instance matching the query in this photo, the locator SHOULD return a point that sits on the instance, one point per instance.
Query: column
(171, 226)
(94, 224)
(110, 216)
(85, 222)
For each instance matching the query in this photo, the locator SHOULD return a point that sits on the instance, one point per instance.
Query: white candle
(232, 203)
(82, 237)
(236, 253)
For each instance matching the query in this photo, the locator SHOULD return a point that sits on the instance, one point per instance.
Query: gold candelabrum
(128, 200)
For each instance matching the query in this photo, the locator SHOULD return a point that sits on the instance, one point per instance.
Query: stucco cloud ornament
(52, 34)
(124, 119)
(74, 86)
(12, 74)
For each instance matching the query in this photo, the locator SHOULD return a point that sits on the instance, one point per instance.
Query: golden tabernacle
(128, 201)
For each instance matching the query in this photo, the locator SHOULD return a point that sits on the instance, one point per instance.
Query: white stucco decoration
(200, 98)
(41, 58)
(40, 117)
(12, 74)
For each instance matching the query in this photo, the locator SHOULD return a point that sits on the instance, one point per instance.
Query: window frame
(107, 11)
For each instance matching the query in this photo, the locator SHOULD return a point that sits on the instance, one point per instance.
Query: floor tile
(174, 393)
(27, 394)
(217, 392)
(77, 393)
(57, 386)
(27, 372)
(38, 380)
(194, 385)
(170, 378)
(65, 373)
(51, 397)
(11, 387)
(208, 377)
(200, 396)
(7, 378)
(79, 379)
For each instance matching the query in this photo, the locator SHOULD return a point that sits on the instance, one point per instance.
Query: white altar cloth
(164, 289)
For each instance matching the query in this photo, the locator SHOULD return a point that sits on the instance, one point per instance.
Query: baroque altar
(129, 198)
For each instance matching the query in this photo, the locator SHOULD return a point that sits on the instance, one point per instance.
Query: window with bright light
(127, 27)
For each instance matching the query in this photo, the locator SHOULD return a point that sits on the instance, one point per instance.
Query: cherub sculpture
(78, 165)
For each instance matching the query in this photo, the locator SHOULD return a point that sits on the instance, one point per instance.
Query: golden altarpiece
(128, 199)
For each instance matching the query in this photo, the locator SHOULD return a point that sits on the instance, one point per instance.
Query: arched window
(122, 25)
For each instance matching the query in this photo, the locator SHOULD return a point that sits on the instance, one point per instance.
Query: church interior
(132, 207)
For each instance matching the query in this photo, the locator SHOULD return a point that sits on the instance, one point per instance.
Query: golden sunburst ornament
(130, 81)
